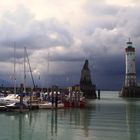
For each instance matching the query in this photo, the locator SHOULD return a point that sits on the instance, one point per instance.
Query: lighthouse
(130, 87)
(130, 71)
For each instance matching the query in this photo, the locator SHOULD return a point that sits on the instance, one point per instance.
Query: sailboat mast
(48, 68)
(14, 69)
(24, 70)
(26, 54)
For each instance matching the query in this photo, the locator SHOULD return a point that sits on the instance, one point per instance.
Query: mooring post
(99, 94)
(52, 98)
(56, 100)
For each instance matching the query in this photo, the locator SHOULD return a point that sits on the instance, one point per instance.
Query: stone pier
(86, 85)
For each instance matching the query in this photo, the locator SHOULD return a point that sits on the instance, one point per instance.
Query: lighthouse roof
(129, 42)
(129, 48)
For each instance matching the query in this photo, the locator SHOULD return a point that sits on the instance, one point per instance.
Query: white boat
(48, 105)
(17, 106)
(11, 98)
(2, 108)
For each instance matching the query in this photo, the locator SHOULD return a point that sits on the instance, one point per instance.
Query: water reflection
(102, 120)
(65, 120)
(77, 119)
(131, 119)
(20, 127)
(53, 123)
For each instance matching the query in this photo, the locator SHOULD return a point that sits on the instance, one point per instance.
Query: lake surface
(110, 118)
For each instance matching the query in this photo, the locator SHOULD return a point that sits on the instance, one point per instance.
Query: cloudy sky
(60, 34)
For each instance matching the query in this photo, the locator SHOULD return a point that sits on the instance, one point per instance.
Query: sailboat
(20, 104)
(11, 98)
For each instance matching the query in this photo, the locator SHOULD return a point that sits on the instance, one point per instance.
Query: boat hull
(50, 106)
(81, 104)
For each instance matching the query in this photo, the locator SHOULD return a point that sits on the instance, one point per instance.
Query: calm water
(111, 118)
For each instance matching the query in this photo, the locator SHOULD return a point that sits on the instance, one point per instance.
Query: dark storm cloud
(101, 39)
(107, 71)
(107, 47)
(38, 35)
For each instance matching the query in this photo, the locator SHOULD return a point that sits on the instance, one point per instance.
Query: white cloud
(121, 3)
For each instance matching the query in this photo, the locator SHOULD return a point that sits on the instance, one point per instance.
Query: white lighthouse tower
(130, 88)
(130, 75)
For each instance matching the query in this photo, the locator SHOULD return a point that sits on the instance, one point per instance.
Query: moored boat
(11, 98)
(3, 108)
(75, 100)
(17, 107)
(49, 105)
(80, 104)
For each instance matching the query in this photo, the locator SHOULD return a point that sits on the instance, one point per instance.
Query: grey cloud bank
(100, 36)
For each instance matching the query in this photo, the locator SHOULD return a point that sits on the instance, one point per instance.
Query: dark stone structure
(86, 85)
(130, 92)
